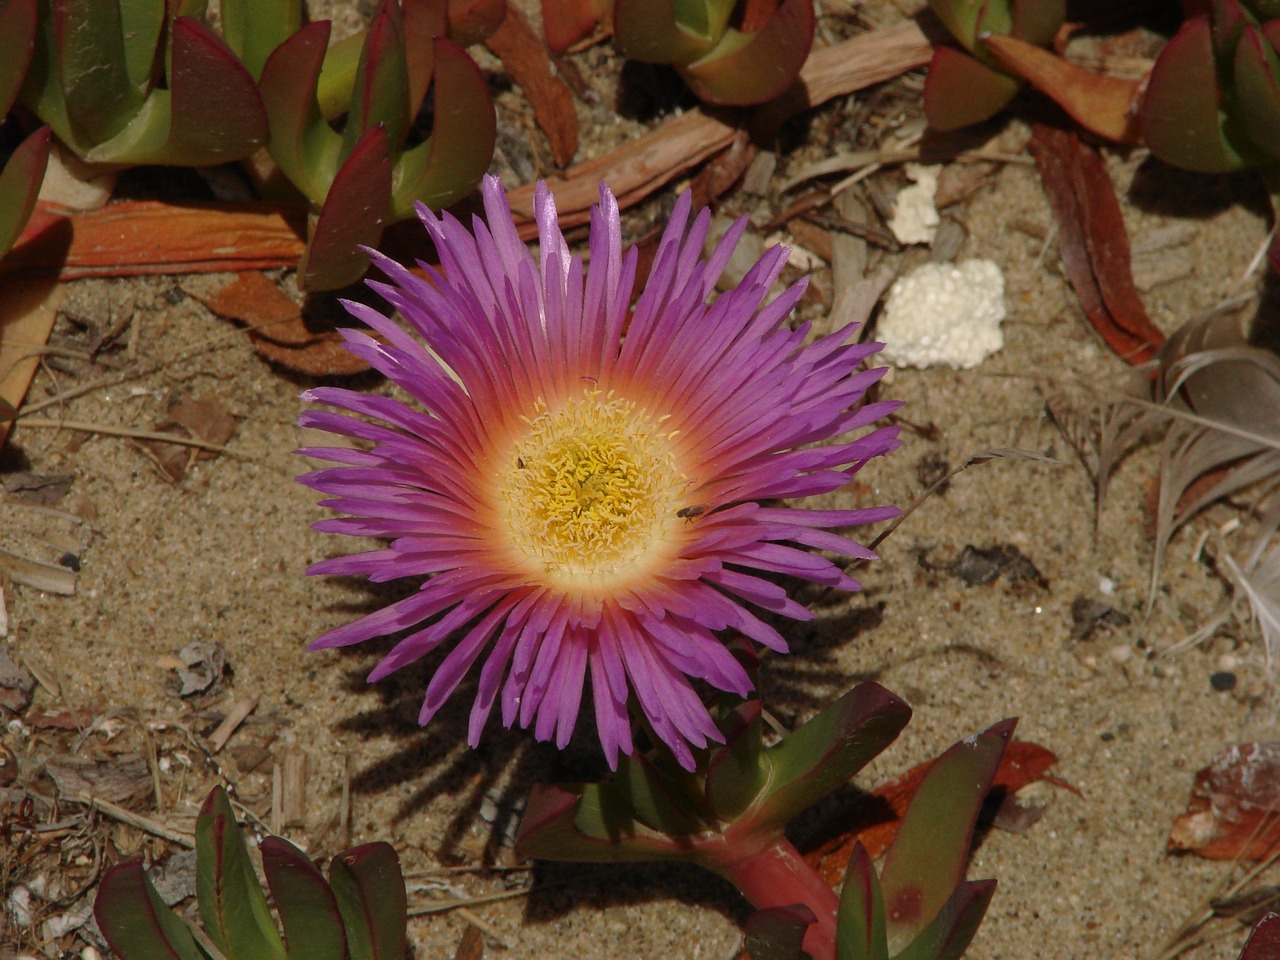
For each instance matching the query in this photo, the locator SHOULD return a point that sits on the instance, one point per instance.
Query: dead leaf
(37, 489)
(203, 667)
(1093, 243)
(873, 821)
(16, 683)
(278, 329)
(471, 946)
(28, 307)
(204, 420)
(525, 57)
(1234, 810)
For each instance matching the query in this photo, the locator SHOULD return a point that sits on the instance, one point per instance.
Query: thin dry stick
(237, 715)
(145, 824)
(110, 430)
(425, 909)
(484, 926)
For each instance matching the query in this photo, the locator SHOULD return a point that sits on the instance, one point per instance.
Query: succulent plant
(729, 816)
(21, 176)
(369, 175)
(966, 86)
(359, 913)
(732, 52)
(125, 82)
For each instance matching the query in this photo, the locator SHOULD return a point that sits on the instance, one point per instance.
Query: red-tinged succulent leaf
(254, 28)
(776, 933)
(307, 907)
(925, 863)
(300, 142)
(757, 69)
(947, 935)
(1180, 115)
(1099, 103)
(369, 889)
(474, 21)
(7, 411)
(232, 904)
(136, 922)
(565, 22)
(646, 30)
(354, 213)
(525, 58)
(20, 186)
(590, 824)
(217, 115)
(1264, 939)
(657, 799)
(737, 772)
(18, 27)
(861, 933)
(423, 21)
(89, 52)
(447, 166)
(959, 91)
(1257, 90)
(960, 17)
(381, 93)
(1038, 21)
(1271, 30)
(824, 753)
(1228, 19)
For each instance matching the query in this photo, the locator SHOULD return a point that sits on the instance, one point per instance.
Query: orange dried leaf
(1232, 813)
(28, 308)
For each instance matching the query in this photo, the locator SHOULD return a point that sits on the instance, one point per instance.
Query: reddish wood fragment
(1093, 243)
(1234, 810)
(526, 60)
(874, 819)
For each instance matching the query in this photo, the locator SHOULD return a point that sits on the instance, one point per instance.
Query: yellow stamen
(588, 490)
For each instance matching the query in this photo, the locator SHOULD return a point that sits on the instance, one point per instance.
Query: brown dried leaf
(525, 57)
(1232, 813)
(115, 780)
(28, 307)
(471, 946)
(205, 420)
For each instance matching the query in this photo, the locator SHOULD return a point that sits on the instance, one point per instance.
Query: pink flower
(579, 486)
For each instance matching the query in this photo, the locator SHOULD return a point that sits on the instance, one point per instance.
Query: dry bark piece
(16, 683)
(525, 57)
(115, 780)
(38, 489)
(1093, 243)
(1232, 813)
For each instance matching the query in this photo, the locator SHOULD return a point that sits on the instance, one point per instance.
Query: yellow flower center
(590, 490)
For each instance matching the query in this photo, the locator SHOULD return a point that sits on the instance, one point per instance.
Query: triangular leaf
(959, 91)
(762, 67)
(861, 932)
(369, 889)
(301, 142)
(646, 30)
(89, 52)
(307, 907)
(20, 186)
(1257, 90)
(136, 922)
(737, 772)
(381, 92)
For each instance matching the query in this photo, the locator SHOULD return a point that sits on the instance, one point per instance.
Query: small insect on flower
(534, 482)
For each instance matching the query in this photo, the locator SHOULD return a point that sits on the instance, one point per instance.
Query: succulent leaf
(18, 27)
(381, 94)
(947, 936)
(136, 922)
(306, 905)
(861, 933)
(448, 165)
(824, 753)
(1257, 90)
(587, 823)
(658, 799)
(142, 24)
(232, 905)
(369, 889)
(89, 53)
(926, 861)
(20, 186)
(753, 68)
(423, 21)
(474, 21)
(254, 28)
(300, 141)
(648, 31)
(776, 933)
(1038, 21)
(737, 771)
(960, 91)
(960, 17)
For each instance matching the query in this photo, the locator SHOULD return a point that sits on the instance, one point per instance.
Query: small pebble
(1120, 652)
(1223, 680)
(1228, 661)
(1107, 586)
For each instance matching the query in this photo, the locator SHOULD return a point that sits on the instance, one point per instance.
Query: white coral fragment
(944, 313)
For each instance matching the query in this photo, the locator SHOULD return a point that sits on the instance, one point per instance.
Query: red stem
(774, 874)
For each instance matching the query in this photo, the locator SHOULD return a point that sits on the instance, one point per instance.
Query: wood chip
(239, 712)
(115, 780)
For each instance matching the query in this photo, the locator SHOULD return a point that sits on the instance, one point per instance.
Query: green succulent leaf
(232, 905)
(737, 772)
(301, 142)
(948, 935)
(1257, 90)
(926, 861)
(587, 823)
(254, 28)
(959, 91)
(1182, 120)
(369, 889)
(142, 25)
(776, 933)
(381, 94)
(824, 753)
(449, 164)
(136, 922)
(861, 933)
(960, 17)
(658, 799)
(20, 186)
(89, 43)
(306, 905)
(753, 68)
(353, 215)
(18, 27)
(649, 31)
(1038, 21)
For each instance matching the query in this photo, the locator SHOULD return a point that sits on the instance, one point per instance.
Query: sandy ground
(219, 558)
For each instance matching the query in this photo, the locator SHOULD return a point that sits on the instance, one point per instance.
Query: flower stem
(774, 874)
